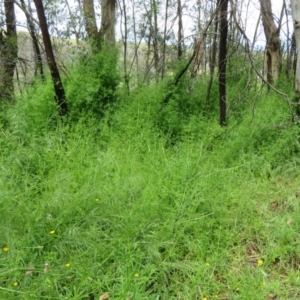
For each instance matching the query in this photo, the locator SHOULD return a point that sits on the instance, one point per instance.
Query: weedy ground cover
(115, 207)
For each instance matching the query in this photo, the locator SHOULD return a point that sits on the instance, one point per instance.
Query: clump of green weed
(92, 88)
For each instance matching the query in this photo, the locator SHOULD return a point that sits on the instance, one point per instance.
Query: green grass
(114, 207)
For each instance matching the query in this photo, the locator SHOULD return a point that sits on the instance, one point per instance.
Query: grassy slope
(112, 209)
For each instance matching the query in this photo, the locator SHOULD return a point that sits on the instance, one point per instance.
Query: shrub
(92, 88)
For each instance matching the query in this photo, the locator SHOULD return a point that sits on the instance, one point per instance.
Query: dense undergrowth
(149, 201)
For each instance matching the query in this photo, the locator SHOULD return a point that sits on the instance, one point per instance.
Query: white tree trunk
(273, 41)
(295, 5)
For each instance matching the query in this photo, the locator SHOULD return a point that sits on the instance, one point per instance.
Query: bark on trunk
(154, 37)
(108, 20)
(90, 23)
(164, 41)
(58, 87)
(223, 59)
(273, 41)
(295, 5)
(35, 43)
(291, 55)
(180, 29)
(125, 43)
(8, 52)
(212, 61)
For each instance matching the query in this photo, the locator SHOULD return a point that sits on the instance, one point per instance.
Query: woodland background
(149, 149)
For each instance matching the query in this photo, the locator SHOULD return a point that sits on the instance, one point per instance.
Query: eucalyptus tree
(106, 34)
(163, 66)
(212, 58)
(57, 83)
(91, 24)
(133, 26)
(8, 52)
(291, 43)
(180, 30)
(137, 38)
(108, 20)
(155, 33)
(124, 21)
(34, 37)
(296, 19)
(223, 59)
(272, 33)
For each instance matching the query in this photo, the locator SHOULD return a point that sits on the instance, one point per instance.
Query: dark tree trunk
(222, 59)
(125, 43)
(154, 34)
(58, 87)
(8, 52)
(35, 43)
(212, 61)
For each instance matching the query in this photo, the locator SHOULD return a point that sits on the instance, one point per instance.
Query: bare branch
(26, 12)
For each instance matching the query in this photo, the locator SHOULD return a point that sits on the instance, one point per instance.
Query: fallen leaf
(30, 270)
(104, 296)
(46, 267)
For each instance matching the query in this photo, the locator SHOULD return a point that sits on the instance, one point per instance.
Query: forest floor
(113, 210)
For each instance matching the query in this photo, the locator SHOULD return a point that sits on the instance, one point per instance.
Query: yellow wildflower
(52, 231)
(136, 275)
(260, 262)
(5, 249)
(207, 264)
(15, 284)
(204, 298)
(67, 265)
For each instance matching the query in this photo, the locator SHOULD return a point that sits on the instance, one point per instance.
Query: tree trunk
(125, 43)
(136, 44)
(273, 42)
(295, 6)
(8, 52)
(108, 20)
(223, 59)
(212, 61)
(58, 87)
(180, 29)
(154, 34)
(163, 65)
(35, 43)
(198, 48)
(90, 24)
(291, 54)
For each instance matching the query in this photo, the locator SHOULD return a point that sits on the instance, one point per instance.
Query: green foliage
(34, 112)
(112, 207)
(93, 85)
